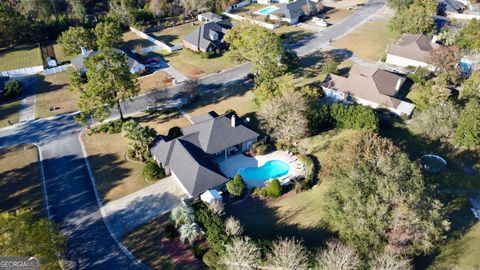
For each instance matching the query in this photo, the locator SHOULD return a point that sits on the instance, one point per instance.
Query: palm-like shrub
(190, 232)
(182, 214)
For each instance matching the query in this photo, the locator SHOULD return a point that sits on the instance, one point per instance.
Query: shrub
(112, 127)
(237, 186)
(152, 171)
(330, 66)
(273, 189)
(354, 116)
(213, 227)
(319, 119)
(13, 89)
(309, 169)
(171, 231)
(198, 250)
(212, 260)
(175, 132)
(261, 148)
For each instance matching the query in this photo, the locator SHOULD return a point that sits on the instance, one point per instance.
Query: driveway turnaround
(72, 204)
(142, 206)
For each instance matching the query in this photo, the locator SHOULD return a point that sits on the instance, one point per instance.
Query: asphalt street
(70, 194)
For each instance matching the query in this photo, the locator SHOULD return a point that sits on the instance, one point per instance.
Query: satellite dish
(247, 119)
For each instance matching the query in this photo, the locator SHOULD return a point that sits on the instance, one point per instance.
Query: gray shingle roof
(201, 36)
(211, 16)
(78, 64)
(188, 157)
(294, 9)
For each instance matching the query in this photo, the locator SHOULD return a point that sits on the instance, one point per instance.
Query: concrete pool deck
(230, 166)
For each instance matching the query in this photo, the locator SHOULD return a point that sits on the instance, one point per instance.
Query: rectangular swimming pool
(267, 10)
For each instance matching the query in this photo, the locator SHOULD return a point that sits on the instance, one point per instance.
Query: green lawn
(9, 112)
(20, 180)
(132, 40)
(194, 66)
(15, 58)
(369, 41)
(174, 35)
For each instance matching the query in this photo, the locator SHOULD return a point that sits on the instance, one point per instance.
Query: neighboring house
(3, 80)
(191, 158)
(208, 37)
(268, 2)
(461, 9)
(292, 12)
(412, 50)
(369, 86)
(134, 65)
(209, 17)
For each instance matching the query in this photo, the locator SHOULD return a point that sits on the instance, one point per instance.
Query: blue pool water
(267, 10)
(465, 67)
(269, 170)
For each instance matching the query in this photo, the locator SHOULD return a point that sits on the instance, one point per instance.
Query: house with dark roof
(191, 158)
(207, 37)
(412, 50)
(134, 64)
(294, 11)
(369, 86)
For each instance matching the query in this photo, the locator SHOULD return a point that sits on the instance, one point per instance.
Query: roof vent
(234, 121)
(399, 84)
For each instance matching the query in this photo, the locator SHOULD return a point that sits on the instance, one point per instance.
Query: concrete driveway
(142, 206)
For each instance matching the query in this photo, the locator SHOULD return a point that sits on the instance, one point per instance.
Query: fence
(259, 23)
(239, 5)
(22, 71)
(160, 45)
(56, 69)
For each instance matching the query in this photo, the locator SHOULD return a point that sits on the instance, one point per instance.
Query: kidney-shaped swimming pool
(271, 169)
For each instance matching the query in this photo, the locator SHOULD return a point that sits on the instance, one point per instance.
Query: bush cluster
(152, 171)
(272, 189)
(352, 116)
(13, 89)
(310, 171)
(112, 127)
(261, 148)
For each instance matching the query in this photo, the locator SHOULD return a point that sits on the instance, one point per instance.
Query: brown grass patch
(52, 91)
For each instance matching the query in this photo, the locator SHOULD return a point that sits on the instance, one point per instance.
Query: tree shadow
(167, 39)
(295, 39)
(44, 86)
(262, 222)
(21, 187)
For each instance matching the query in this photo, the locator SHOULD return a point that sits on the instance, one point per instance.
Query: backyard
(20, 180)
(194, 66)
(20, 57)
(247, 11)
(53, 93)
(132, 40)
(9, 113)
(369, 41)
(174, 35)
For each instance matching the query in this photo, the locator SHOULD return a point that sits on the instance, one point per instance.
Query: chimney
(399, 84)
(234, 122)
(84, 51)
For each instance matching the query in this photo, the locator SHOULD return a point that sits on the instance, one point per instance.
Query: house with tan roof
(412, 50)
(369, 86)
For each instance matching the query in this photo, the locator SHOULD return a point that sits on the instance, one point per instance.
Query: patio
(231, 166)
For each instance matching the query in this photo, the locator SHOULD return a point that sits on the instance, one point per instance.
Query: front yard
(158, 80)
(194, 66)
(369, 41)
(336, 15)
(115, 176)
(145, 242)
(292, 34)
(20, 180)
(20, 57)
(53, 92)
(174, 35)
(9, 111)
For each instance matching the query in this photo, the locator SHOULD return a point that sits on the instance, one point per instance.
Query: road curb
(100, 204)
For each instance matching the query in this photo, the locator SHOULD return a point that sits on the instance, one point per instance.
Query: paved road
(72, 203)
(71, 196)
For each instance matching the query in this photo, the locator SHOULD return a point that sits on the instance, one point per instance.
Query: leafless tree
(157, 96)
(338, 256)
(284, 116)
(233, 227)
(390, 261)
(287, 254)
(241, 254)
